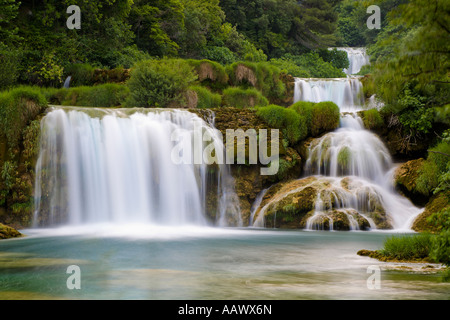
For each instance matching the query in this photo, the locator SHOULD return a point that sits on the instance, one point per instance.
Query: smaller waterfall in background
(347, 93)
(357, 57)
(114, 166)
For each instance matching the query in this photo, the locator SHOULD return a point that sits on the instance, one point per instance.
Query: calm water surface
(200, 263)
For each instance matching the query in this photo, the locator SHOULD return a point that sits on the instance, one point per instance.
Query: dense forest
(165, 43)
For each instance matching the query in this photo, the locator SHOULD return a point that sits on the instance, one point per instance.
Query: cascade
(357, 57)
(345, 92)
(114, 166)
(352, 164)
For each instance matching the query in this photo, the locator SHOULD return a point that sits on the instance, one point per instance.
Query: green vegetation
(18, 107)
(291, 123)
(243, 98)
(101, 96)
(373, 119)
(408, 247)
(206, 99)
(325, 118)
(160, 83)
(434, 174)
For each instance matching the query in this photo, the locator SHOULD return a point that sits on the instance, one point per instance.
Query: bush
(18, 107)
(338, 58)
(289, 67)
(222, 55)
(82, 74)
(408, 247)
(315, 65)
(159, 83)
(372, 119)
(434, 170)
(206, 99)
(441, 248)
(292, 124)
(325, 118)
(9, 71)
(305, 109)
(243, 98)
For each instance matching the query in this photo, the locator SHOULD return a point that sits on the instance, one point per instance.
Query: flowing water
(110, 200)
(102, 166)
(354, 153)
(357, 57)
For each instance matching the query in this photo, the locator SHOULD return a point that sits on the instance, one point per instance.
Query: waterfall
(352, 162)
(345, 92)
(114, 166)
(357, 57)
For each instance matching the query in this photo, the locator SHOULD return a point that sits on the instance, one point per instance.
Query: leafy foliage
(157, 83)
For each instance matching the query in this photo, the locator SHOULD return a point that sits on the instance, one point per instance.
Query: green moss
(344, 157)
(264, 76)
(210, 71)
(372, 119)
(18, 107)
(325, 118)
(101, 96)
(291, 123)
(243, 98)
(206, 99)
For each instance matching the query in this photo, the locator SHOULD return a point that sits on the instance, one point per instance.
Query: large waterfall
(102, 166)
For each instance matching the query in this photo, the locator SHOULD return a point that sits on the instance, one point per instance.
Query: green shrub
(206, 99)
(9, 71)
(325, 118)
(315, 65)
(433, 173)
(82, 74)
(289, 67)
(222, 55)
(305, 109)
(408, 247)
(372, 119)
(18, 107)
(158, 83)
(292, 124)
(243, 98)
(441, 248)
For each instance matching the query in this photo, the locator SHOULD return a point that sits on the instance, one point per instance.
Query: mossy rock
(437, 203)
(405, 178)
(7, 232)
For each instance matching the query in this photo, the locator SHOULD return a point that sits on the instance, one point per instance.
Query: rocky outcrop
(322, 203)
(7, 232)
(405, 181)
(436, 204)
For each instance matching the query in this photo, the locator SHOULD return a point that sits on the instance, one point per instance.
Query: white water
(357, 57)
(100, 166)
(351, 151)
(345, 92)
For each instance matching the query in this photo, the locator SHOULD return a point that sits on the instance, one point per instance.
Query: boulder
(405, 177)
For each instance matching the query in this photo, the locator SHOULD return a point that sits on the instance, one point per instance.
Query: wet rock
(7, 232)
(405, 181)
